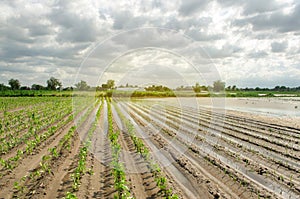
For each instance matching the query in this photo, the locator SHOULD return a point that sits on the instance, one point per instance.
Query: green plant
(18, 187)
(45, 167)
(70, 195)
(6, 164)
(118, 169)
(53, 151)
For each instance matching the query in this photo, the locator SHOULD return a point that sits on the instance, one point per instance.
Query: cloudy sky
(248, 43)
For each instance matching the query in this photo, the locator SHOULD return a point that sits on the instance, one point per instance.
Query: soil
(203, 154)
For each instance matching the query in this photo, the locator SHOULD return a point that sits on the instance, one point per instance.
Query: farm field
(86, 147)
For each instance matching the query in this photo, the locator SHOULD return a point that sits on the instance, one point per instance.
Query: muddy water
(289, 107)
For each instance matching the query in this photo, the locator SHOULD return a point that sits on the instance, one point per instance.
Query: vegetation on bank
(54, 88)
(138, 93)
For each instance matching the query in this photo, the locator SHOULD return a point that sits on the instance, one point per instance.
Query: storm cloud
(238, 41)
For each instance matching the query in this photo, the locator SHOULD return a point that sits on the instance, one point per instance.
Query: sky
(247, 43)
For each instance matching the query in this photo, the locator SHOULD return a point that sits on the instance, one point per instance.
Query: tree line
(14, 84)
(219, 86)
(55, 84)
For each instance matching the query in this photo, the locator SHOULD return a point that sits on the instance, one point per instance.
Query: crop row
(14, 122)
(230, 137)
(35, 126)
(141, 148)
(10, 103)
(174, 130)
(48, 161)
(173, 151)
(118, 170)
(264, 136)
(285, 133)
(32, 144)
(288, 164)
(169, 133)
(81, 169)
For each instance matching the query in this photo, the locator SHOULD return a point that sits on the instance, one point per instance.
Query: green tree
(157, 88)
(110, 84)
(204, 88)
(24, 88)
(219, 86)
(3, 87)
(14, 84)
(53, 84)
(233, 87)
(82, 85)
(37, 87)
(104, 86)
(197, 88)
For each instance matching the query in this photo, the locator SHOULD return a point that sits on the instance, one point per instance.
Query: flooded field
(279, 106)
(150, 148)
